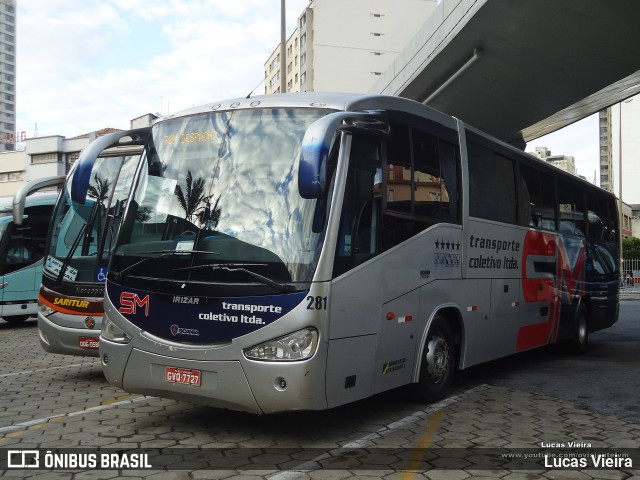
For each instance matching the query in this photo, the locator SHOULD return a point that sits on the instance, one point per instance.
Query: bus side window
(572, 209)
(492, 192)
(422, 182)
(537, 199)
(19, 249)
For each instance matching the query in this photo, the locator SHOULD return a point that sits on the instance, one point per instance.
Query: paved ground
(488, 430)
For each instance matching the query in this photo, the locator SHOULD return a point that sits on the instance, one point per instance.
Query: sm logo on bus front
(131, 302)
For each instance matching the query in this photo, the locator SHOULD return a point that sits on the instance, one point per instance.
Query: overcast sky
(90, 64)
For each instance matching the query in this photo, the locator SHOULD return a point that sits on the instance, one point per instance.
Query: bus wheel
(438, 361)
(15, 319)
(580, 342)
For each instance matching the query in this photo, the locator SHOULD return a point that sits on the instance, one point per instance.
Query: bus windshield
(78, 247)
(217, 202)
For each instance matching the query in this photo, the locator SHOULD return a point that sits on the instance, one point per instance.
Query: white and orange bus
(77, 249)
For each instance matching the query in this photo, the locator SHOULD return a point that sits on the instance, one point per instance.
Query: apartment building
(344, 45)
(7, 75)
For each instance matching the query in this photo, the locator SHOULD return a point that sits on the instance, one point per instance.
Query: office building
(563, 162)
(620, 149)
(51, 155)
(344, 46)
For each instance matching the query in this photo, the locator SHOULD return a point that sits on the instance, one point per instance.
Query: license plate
(88, 343)
(184, 376)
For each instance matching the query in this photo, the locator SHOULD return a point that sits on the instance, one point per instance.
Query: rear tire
(438, 361)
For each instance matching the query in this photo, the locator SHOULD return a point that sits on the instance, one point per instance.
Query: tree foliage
(631, 248)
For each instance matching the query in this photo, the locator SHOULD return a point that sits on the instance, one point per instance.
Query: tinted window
(492, 193)
(421, 183)
(537, 199)
(571, 208)
(358, 234)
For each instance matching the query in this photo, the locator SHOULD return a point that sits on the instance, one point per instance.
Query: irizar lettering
(191, 300)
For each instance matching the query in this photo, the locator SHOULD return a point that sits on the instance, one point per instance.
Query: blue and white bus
(77, 248)
(303, 251)
(24, 222)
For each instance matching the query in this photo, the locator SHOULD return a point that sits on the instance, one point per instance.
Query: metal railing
(630, 273)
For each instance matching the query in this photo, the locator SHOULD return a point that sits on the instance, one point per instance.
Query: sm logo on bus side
(131, 302)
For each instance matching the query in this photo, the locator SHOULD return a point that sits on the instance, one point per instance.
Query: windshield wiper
(241, 267)
(163, 253)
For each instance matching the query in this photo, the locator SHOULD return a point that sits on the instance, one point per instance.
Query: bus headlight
(298, 345)
(110, 331)
(45, 310)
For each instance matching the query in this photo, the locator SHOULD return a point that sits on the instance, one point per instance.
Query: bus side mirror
(319, 139)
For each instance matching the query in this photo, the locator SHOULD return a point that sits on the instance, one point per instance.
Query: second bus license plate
(185, 376)
(88, 343)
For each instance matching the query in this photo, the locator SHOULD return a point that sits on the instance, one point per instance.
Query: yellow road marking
(433, 422)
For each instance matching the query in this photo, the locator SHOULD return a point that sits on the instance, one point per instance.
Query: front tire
(438, 361)
(579, 344)
(16, 319)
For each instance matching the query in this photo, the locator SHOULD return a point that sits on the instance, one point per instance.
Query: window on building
(10, 176)
(45, 158)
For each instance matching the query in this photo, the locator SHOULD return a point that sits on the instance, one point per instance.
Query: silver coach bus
(70, 302)
(303, 251)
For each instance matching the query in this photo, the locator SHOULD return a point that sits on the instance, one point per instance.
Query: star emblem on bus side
(447, 245)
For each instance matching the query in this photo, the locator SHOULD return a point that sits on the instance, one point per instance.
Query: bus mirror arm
(27, 189)
(319, 139)
(84, 164)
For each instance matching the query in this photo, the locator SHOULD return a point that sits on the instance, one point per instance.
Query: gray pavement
(630, 293)
(64, 405)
